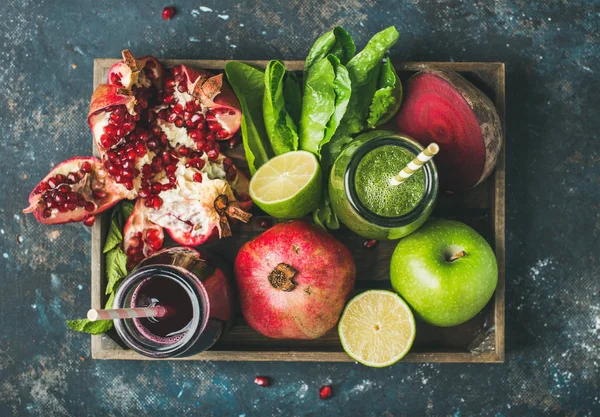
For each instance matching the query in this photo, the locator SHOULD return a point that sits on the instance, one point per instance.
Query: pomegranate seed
(59, 199)
(89, 206)
(371, 243)
(89, 220)
(143, 193)
(156, 188)
(198, 177)
(72, 178)
(172, 117)
(181, 87)
(222, 134)
(71, 206)
(64, 189)
(52, 183)
(189, 106)
(325, 392)
(179, 122)
(212, 154)
(262, 381)
(86, 167)
(213, 126)
(167, 100)
(98, 194)
(168, 13)
(209, 116)
(184, 151)
(169, 83)
(178, 108)
(156, 203)
(265, 223)
(47, 213)
(197, 118)
(50, 204)
(131, 155)
(210, 136)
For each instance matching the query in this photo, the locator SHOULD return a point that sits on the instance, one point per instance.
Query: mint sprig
(115, 266)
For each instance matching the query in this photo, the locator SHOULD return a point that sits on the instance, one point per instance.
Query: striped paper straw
(416, 164)
(129, 313)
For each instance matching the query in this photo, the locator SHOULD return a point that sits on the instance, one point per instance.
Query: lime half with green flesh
(377, 328)
(288, 186)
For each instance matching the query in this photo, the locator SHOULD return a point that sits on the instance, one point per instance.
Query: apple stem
(457, 255)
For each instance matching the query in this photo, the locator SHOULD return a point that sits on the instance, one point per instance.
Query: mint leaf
(93, 327)
(126, 208)
(116, 268)
(114, 237)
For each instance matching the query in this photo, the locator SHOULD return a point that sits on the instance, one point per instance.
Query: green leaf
(248, 84)
(324, 215)
(93, 327)
(116, 268)
(388, 98)
(126, 208)
(343, 90)
(119, 216)
(292, 96)
(114, 237)
(337, 42)
(282, 131)
(363, 69)
(318, 105)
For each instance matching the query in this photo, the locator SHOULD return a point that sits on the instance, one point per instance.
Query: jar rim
(431, 185)
(195, 291)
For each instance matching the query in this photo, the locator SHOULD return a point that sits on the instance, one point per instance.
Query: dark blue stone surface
(551, 50)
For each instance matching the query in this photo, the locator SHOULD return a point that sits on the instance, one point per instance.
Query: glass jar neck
(361, 209)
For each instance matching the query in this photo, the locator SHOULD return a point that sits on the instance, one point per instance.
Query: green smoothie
(362, 197)
(372, 182)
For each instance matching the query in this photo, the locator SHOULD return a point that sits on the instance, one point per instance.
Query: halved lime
(288, 186)
(377, 328)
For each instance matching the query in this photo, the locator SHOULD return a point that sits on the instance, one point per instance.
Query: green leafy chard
(337, 42)
(292, 96)
(248, 84)
(388, 97)
(279, 124)
(364, 71)
(318, 105)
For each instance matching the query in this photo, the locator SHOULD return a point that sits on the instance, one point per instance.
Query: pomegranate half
(293, 281)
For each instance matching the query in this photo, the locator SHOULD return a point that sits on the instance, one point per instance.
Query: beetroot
(294, 280)
(445, 108)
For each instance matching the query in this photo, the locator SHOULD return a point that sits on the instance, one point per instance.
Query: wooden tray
(479, 340)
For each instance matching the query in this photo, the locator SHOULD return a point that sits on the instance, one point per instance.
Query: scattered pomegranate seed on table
(265, 223)
(262, 381)
(325, 392)
(371, 243)
(168, 13)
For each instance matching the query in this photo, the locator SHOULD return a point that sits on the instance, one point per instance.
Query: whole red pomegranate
(293, 281)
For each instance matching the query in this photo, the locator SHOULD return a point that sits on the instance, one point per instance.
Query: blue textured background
(553, 208)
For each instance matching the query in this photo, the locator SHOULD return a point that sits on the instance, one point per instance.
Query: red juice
(161, 291)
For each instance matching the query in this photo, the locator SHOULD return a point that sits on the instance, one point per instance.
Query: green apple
(446, 271)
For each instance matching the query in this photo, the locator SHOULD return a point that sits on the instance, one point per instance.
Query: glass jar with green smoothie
(364, 196)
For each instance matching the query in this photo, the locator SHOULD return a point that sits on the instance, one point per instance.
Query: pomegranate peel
(293, 281)
(141, 237)
(443, 107)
